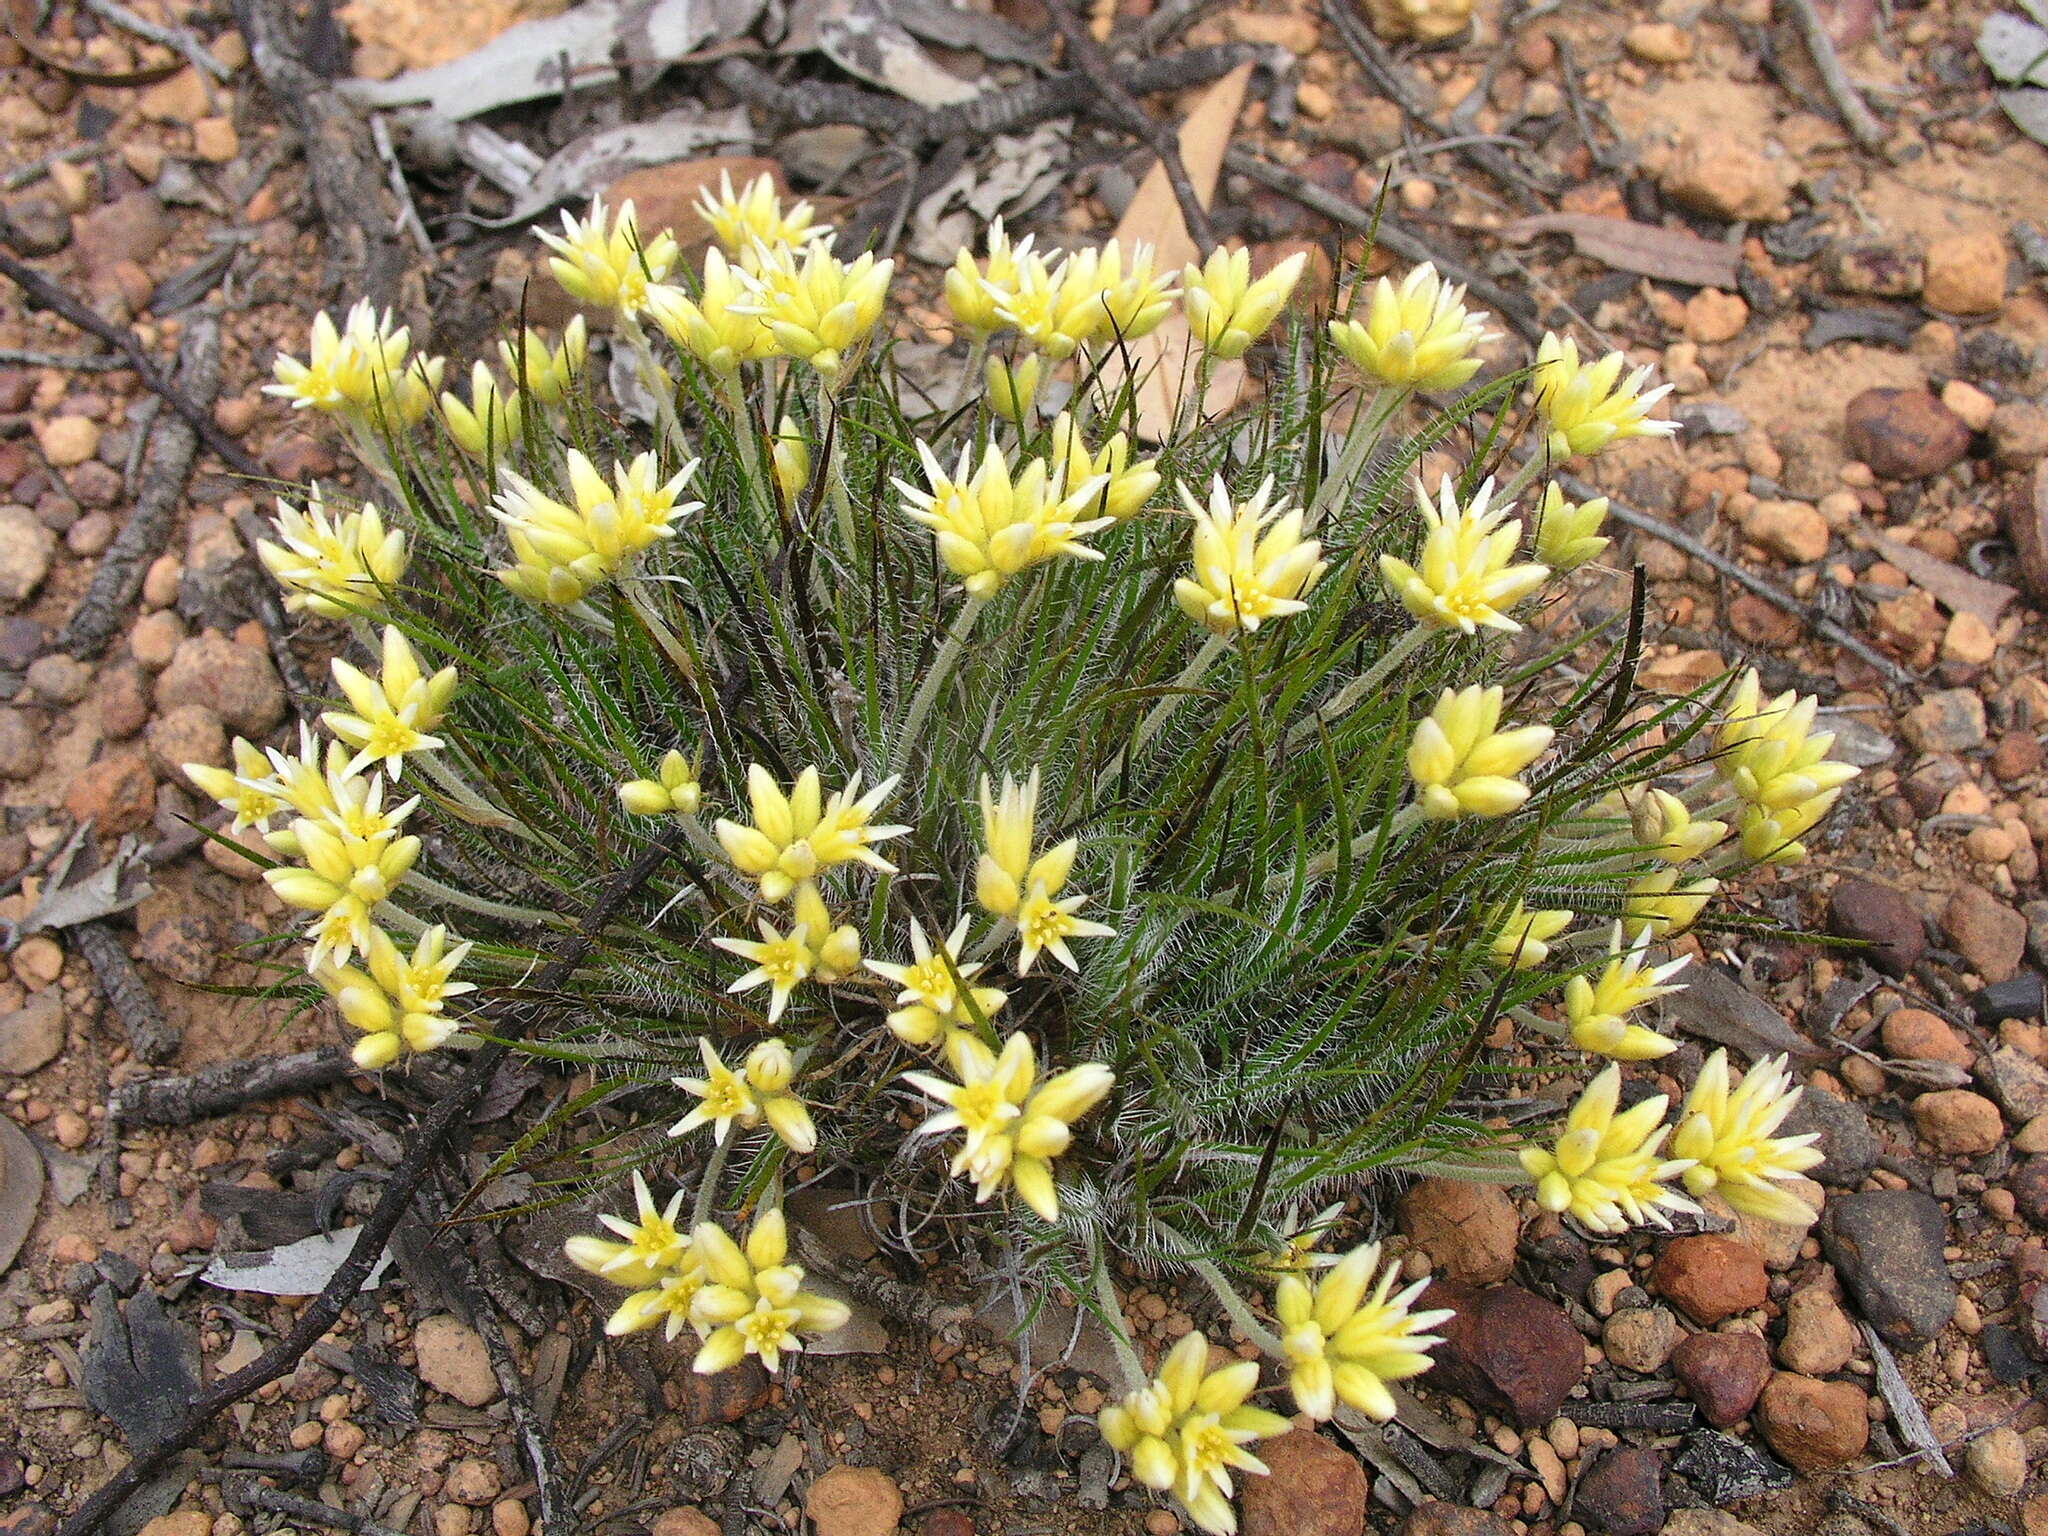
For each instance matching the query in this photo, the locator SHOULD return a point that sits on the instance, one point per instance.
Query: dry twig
(1679, 539)
(366, 256)
(1409, 247)
(1484, 152)
(228, 1086)
(1862, 124)
(49, 295)
(150, 1035)
(1120, 107)
(815, 103)
(327, 1308)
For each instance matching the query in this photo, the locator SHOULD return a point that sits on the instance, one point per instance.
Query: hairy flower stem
(1161, 711)
(1366, 427)
(1238, 1311)
(970, 373)
(469, 805)
(752, 450)
(1526, 475)
(655, 380)
(928, 690)
(483, 906)
(1127, 1360)
(391, 915)
(707, 1183)
(373, 456)
(1361, 687)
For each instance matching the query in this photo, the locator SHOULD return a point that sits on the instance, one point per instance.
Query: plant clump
(1115, 848)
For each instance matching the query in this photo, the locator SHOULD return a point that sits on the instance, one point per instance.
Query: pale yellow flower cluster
(1058, 304)
(1344, 1344)
(364, 371)
(1251, 562)
(602, 261)
(546, 372)
(1588, 407)
(1186, 1431)
(1416, 336)
(1663, 901)
(1464, 764)
(1777, 765)
(796, 837)
(1522, 941)
(393, 711)
(561, 550)
(739, 1301)
(1568, 532)
(1014, 882)
(1597, 1010)
(1731, 1138)
(1013, 1123)
(674, 789)
(771, 287)
(352, 851)
(937, 995)
(990, 523)
(759, 1091)
(488, 422)
(333, 566)
(1466, 577)
(1603, 1168)
(1094, 301)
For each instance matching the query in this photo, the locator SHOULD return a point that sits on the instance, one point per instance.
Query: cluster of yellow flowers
(352, 851)
(333, 566)
(1605, 1169)
(739, 1300)
(362, 371)
(1186, 1430)
(1014, 1122)
(1777, 767)
(560, 551)
(1062, 304)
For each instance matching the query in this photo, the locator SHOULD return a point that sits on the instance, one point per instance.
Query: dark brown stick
(172, 446)
(1679, 539)
(229, 1086)
(1510, 307)
(257, 1495)
(45, 294)
(49, 295)
(1856, 114)
(365, 256)
(1402, 89)
(149, 1034)
(327, 1308)
(1119, 106)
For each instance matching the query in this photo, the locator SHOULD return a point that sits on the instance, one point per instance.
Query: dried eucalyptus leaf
(583, 46)
(2013, 49)
(69, 898)
(1905, 1408)
(297, 1269)
(2028, 111)
(1671, 255)
(863, 38)
(21, 1190)
(1720, 1008)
